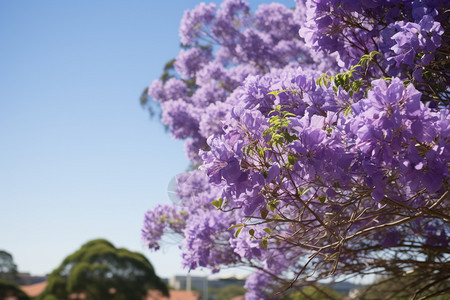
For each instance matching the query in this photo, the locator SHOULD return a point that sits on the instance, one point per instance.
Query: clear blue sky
(79, 158)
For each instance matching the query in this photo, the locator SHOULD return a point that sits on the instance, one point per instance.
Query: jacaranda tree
(322, 139)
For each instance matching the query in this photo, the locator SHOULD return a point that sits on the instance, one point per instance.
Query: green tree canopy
(99, 271)
(402, 287)
(10, 289)
(315, 292)
(230, 291)
(8, 270)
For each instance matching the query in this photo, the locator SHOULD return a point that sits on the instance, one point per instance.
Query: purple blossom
(193, 20)
(203, 229)
(156, 91)
(189, 62)
(181, 117)
(221, 162)
(258, 286)
(230, 9)
(212, 121)
(160, 220)
(415, 38)
(305, 166)
(207, 94)
(277, 20)
(175, 89)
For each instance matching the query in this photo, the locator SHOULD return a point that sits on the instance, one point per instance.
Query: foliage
(100, 271)
(8, 270)
(322, 135)
(10, 289)
(315, 293)
(401, 288)
(226, 292)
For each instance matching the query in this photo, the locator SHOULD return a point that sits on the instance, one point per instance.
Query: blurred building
(24, 278)
(180, 282)
(223, 282)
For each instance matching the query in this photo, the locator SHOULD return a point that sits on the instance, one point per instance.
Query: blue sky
(79, 157)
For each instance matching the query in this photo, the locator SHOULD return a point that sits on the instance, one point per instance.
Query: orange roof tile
(174, 295)
(34, 290)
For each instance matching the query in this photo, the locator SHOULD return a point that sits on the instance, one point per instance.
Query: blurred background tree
(402, 287)
(226, 292)
(315, 292)
(99, 271)
(8, 269)
(9, 290)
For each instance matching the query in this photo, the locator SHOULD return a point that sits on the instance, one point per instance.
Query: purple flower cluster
(243, 45)
(161, 220)
(204, 228)
(406, 32)
(193, 20)
(415, 43)
(391, 125)
(302, 171)
(190, 61)
(258, 286)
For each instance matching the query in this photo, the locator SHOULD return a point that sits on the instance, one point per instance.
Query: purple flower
(160, 220)
(181, 117)
(221, 162)
(190, 61)
(305, 166)
(156, 91)
(193, 20)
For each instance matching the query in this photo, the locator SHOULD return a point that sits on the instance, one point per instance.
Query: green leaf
(277, 136)
(356, 85)
(264, 212)
(261, 152)
(348, 111)
(324, 79)
(272, 207)
(288, 114)
(268, 230)
(218, 203)
(238, 231)
(373, 54)
(303, 191)
(292, 159)
(252, 232)
(273, 204)
(319, 81)
(275, 121)
(334, 255)
(236, 226)
(275, 93)
(289, 138)
(322, 198)
(263, 243)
